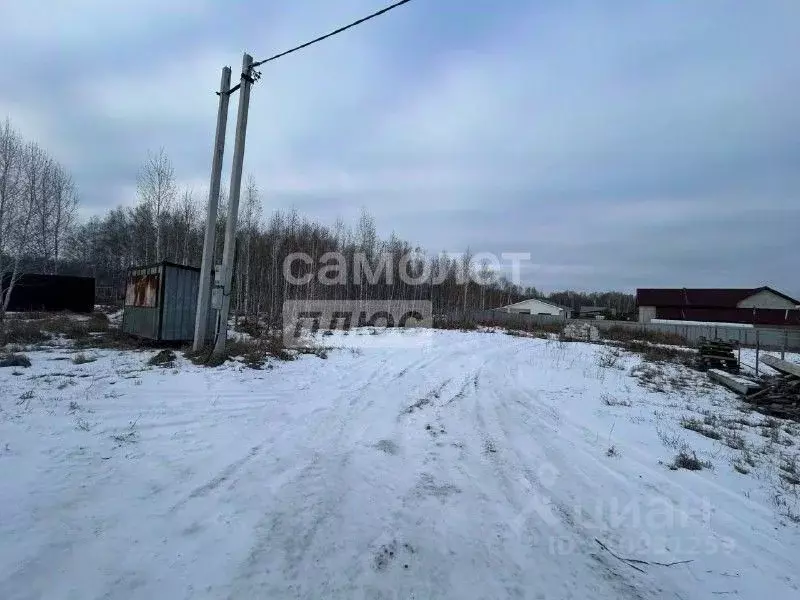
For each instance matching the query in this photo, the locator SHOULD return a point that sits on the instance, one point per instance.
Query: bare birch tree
(250, 226)
(10, 169)
(20, 175)
(156, 188)
(188, 214)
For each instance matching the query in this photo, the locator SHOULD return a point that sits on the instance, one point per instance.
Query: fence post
(785, 343)
(758, 348)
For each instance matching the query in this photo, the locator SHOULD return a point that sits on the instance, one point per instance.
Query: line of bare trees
(171, 228)
(39, 233)
(105, 246)
(167, 223)
(38, 204)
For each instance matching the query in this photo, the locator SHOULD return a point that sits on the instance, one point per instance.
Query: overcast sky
(622, 143)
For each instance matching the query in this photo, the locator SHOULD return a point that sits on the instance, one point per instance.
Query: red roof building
(756, 306)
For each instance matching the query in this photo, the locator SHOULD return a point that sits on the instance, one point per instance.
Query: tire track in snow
(427, 399)
(528, 482)
(221, 477)
(285, 538)
(319, 423)
(277, 542)
(469, 383)
(304, 516)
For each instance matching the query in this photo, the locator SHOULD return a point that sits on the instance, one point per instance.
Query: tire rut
(229, 471)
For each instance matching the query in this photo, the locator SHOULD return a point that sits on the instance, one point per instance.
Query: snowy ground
(748, 359)
(415, 465)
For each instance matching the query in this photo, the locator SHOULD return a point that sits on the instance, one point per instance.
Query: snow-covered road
(457, 465)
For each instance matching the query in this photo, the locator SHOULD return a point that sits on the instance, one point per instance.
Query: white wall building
(536, 307)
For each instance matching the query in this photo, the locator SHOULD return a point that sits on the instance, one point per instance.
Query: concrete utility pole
(201, 319)
(233, 203)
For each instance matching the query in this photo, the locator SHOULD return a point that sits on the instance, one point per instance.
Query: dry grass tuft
(15, 360)
(82, 359)
(690, 462)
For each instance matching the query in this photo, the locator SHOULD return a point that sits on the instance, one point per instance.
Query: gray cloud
(637, 143)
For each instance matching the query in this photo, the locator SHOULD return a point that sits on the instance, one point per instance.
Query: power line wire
(332, 33)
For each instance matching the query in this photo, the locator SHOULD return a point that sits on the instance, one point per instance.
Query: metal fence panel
(769, 338)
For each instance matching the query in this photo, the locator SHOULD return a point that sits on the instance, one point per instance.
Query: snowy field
(405, 465)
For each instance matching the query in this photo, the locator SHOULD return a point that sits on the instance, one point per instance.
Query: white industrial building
(537, 307)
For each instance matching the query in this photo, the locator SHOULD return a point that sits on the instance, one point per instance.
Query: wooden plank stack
(716, 354)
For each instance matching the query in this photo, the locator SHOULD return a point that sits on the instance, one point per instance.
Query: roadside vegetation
(37, 328)
(255, 352)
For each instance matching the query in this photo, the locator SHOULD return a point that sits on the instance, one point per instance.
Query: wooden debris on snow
(739, 385)
(784, 366)
(777, 396)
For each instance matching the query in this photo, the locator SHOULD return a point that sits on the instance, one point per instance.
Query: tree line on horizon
(168, 223)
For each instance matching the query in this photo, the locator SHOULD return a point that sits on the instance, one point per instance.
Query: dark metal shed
(161, 302)
(36, 291)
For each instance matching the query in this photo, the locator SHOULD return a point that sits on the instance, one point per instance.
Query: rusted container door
(143, 298)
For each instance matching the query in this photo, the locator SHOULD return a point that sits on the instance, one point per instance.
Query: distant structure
(537, 307)
(596, 312)
(161, 302)
(38, 292)
(756, 306)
